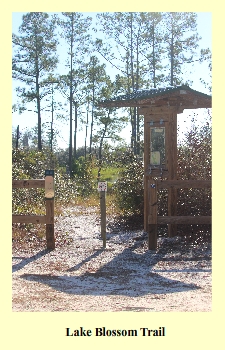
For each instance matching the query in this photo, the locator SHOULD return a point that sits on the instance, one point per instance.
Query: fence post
(50, 237)
(49, 199)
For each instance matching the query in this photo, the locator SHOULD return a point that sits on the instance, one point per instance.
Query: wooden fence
(47, 219)
(154, 219)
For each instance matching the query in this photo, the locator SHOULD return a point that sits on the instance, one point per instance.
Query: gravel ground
(79, 275)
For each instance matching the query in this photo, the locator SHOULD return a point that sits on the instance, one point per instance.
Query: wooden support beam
(186, 220)
(28, 183)
(171, 146)
(157, 112)
(146, 171)
(152, 216)
(184, 184)
(152, 237)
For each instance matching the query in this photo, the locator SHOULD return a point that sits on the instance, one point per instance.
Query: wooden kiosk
(160, 108)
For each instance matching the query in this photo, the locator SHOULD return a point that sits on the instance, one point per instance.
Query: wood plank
(28, 183)
(29, 219)
(184, 220)
(159, 111)
(185, 184)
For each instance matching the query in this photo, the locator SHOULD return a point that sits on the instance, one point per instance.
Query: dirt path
(79, 275)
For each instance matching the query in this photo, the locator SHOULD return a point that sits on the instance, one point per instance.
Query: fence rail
(47, 219)
(39, 183)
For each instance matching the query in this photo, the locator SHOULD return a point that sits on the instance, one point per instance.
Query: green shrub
(83, 176)
(129, 188)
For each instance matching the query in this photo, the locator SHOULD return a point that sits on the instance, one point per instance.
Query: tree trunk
(38, 98)
(71, 99)
(171, 60)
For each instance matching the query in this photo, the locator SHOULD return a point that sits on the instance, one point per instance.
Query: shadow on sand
(129, 274)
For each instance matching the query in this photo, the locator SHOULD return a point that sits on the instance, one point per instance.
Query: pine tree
(152, 48)
(75, 32)
(126, 30)
(109, 124)
(181, 41)
(95, 79)
(34, 57)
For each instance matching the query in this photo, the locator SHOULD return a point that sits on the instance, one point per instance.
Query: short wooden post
(50, 237)
(102, 188)
(49, 199)
(103, 217)
(152, 217)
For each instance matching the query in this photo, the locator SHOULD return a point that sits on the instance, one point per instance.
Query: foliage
(195, 162)
(34, 57)
(181, 41)
(129, 189)
(74, 29)
(31, 164)
(145, 49)
(82, 173)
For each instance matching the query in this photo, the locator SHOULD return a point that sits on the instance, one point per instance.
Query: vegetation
(145, 50)
(124, 173)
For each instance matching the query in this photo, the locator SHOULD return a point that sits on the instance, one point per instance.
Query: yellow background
(47, 330)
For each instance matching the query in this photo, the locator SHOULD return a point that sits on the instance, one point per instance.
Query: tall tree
(181, 41)
(95, 79)
(108, 122)
(125, 30)
(34, 57)
(152, 48)
(75, 32)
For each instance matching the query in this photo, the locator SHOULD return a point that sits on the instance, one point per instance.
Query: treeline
(144, 49)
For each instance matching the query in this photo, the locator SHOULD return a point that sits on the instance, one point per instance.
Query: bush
(129, 189)
(82, 173)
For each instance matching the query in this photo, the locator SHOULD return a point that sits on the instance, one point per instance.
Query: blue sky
(29, 119)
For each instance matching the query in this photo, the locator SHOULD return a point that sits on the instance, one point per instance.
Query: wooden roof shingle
(180, 96)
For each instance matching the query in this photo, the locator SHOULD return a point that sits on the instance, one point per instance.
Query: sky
(29, 119)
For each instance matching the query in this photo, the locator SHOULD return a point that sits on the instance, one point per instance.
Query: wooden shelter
(160, 108)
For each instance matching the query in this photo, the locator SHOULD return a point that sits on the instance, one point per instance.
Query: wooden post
(49, 197)
(146, 170)
(172, 167)
(152, 217)
(50, 237)
(103, 217)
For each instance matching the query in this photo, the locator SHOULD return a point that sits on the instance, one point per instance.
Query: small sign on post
(102, 188)
(49, 184)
